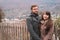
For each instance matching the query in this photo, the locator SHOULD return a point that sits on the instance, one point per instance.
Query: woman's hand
(46, 38)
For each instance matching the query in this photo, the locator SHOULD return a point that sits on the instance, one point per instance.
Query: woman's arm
(50, 33)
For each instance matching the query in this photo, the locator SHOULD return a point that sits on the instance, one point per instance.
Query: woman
(46, 26)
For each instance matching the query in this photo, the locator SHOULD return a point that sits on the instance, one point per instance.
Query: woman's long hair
(49, 18)
(47, 13)
(49, 23)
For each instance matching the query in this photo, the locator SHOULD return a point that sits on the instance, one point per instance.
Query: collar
(33, 14)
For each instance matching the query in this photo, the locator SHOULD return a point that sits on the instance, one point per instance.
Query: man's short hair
(33, 6)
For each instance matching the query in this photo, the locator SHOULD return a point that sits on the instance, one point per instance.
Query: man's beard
(35, 12)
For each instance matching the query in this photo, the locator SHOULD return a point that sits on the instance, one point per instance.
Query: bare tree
(1, 15)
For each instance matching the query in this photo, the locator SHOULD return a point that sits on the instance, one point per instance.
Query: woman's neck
(46, 20)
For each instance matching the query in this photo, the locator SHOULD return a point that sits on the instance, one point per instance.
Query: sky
(25, 3)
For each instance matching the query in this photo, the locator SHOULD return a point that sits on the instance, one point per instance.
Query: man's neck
(34, 14)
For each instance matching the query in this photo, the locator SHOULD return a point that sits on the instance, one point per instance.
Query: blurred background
(14, 14)
(21, 8)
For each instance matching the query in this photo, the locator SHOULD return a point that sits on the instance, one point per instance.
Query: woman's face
(45, 17)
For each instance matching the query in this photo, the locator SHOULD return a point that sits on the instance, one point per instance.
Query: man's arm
(30, 28)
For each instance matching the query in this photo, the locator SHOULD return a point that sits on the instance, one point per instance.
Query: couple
(40, 28)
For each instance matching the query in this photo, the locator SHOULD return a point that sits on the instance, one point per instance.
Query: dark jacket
(32, 24)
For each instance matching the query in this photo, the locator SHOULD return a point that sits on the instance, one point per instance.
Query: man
(33, 22)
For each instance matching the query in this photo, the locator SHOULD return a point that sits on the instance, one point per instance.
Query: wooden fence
(14, 31)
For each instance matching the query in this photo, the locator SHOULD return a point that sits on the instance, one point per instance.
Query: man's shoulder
(29, 18)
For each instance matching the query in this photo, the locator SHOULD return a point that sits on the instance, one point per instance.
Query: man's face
(35, 10)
